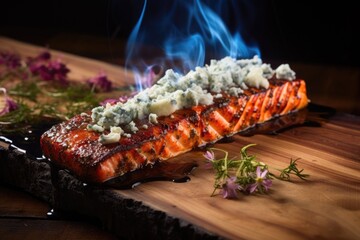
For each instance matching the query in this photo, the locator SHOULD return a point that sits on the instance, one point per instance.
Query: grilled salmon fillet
(72, 146)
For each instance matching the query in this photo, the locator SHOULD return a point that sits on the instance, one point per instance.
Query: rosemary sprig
(28, 90)
(61, 103)
(38, 87)
(291, 170)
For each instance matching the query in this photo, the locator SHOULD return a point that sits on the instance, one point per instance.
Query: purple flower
(210, 156)
(49, 70)
(261, 181)
(100, 82)
(58, 71)
(8, 104)
(10, 60)
(44, 56)
(41, 58)
(229, 189)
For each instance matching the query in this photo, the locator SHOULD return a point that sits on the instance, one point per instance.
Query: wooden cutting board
(327, 206)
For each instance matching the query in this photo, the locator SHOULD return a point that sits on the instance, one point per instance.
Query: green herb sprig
(62, 105)
(244, 173)
(38, 87)
(291, 170)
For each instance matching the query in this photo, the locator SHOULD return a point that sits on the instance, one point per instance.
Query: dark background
(318, 39)
(287, 30)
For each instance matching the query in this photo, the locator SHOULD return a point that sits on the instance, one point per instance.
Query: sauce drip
(169, 171)
(27, 139)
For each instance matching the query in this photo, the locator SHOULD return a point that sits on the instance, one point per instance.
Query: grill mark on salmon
(71, 146)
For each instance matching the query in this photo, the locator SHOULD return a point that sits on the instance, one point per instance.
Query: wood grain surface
(327, 206)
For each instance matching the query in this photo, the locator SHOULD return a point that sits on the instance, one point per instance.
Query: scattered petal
(58, 70)
(100, 82)
(10, 60)
(43, 56)
(48, 70)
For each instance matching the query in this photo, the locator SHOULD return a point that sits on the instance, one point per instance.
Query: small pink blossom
(37, 62)
(210, 156)
(10, 60)
(230, 188)
(48, 69)
(261, 181)
(100, 82)
(41, 57)
(10, 105)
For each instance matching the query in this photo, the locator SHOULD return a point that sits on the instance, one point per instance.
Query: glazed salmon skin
(72, 146)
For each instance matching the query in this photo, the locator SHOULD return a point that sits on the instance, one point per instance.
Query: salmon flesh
(71, 146)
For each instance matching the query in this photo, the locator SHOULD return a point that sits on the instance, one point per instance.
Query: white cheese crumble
(113, 137)
(95, 128)
(219, 95)
(175, 91)
(153, 118)
(256, 79)
(132, 127)
(128, 135)
(284, 72)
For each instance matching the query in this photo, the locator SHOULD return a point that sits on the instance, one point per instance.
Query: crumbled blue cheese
(153, 118)
(112, 137)
(256, 79)
(284, 72)
(95, 127)
(132, 127)
(235, 91)
(128, 135)
(175, 91)
(268, 72)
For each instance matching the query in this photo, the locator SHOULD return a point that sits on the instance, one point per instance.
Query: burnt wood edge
(125, 217)
(31, 176)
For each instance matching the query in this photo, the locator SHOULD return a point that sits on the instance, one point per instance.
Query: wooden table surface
(327, 206)
(23, 216)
